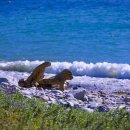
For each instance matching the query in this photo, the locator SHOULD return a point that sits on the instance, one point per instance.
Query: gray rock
(122, 106)
(63, 103)
(85, 98)
(76, 105)
(127, 99)
(59, 96)
(79, 94)
(7, 88)
(45, 98)
(69, 95)
(52, 100)
(102, 109)
(70, 103)
(56, 91)
(99, 100)
(4, 80)
(93, 105)
(88, 109)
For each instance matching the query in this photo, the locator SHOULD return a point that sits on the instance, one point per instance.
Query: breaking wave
(104, 69)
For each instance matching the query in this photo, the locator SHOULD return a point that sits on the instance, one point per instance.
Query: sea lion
(56, 81)
(35, 76)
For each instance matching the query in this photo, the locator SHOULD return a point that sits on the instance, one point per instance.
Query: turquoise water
(65, 30)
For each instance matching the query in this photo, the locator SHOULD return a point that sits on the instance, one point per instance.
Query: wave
(104, 69)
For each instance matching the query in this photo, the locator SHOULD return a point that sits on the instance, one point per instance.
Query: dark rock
(4, 80)
(79, 94)
(74, 88)
(127, 99)
(102, 109)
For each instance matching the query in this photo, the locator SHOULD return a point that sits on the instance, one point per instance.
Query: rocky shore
(75, 96)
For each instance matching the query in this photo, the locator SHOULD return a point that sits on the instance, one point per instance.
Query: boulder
(79, 94)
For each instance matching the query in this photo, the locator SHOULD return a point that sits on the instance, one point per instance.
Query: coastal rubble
(75, 97)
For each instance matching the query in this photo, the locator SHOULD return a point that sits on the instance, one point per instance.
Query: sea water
(89, 37)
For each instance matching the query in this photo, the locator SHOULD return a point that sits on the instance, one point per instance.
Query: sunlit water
(65, 30)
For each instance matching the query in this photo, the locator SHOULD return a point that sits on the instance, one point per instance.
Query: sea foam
(104, 69)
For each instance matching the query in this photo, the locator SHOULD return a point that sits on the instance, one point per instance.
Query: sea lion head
(47, 64)
(21, 83)
(67, 74)
(24, 83)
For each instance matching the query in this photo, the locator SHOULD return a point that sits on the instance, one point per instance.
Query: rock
(74, 88)
(127, 99)
(93, 105)
(45, 98)
(7, 88)
(63, 103)
(99, 100)
(122, 106)
(102, 109)
(79, 94)
(70, 103)
(76, 105)
(85, 98)
(90, 99)
(11, 89)
(56, 91)
(59, 96)
(52, 100)
(4, 80)
(101, 94)
(69, 95)
(128, 110)
(88, 109)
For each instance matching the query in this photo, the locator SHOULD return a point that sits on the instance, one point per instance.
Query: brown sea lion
(56, 81)
(35, 76)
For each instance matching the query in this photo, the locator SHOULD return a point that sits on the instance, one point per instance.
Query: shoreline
(87, 93)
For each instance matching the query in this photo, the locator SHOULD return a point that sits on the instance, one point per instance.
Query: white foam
(104, 69)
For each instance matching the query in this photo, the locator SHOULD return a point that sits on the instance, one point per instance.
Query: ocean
(89, 37)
